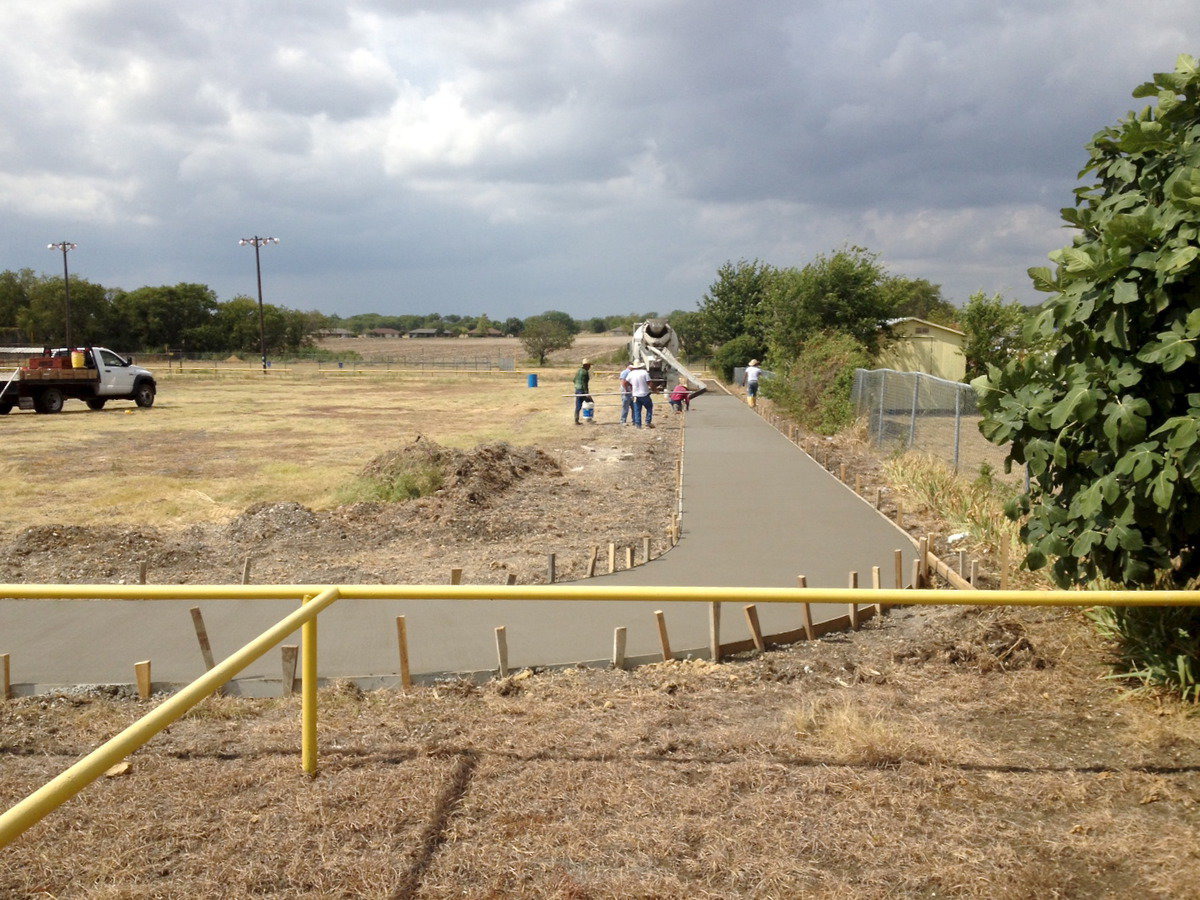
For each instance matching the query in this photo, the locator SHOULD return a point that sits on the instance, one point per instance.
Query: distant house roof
(425, 332)
(914, 319)
(384, 332)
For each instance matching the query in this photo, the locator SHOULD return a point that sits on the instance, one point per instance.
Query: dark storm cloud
(598, 155)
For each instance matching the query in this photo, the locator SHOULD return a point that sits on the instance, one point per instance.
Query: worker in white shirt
(752, 373)
(639, 387)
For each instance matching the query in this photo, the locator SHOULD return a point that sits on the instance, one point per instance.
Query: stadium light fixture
(257, 242)
(65, 247)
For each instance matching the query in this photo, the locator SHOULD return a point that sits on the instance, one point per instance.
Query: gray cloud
(593, 156)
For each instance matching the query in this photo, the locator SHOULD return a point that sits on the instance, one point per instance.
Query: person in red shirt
(681, 397)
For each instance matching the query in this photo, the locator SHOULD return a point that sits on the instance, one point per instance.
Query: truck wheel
(5, 409)
(95, 403)
(50, 400)
(143, 395)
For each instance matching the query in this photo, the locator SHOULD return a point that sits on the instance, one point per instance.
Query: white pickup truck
(94, 375)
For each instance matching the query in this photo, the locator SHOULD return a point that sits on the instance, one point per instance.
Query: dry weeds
(875, 767)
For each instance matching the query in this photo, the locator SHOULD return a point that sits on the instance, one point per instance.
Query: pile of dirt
(475, 476)
(264, 521)
(984, 640)
(56, 538)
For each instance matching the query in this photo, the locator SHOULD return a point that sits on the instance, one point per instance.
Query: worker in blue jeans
(639, 386)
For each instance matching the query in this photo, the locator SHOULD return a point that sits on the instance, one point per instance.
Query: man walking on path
(752, 373)
(582, 377)
(639, 385)
(626, 396)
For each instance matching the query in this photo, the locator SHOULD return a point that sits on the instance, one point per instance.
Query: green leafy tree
(513, 325)
(562, 318)
(1107, 416)
(737, 352)
(814, 387)
(842, 291)
(995, 331)
(543, 335)
(733, 305)
(919, 299)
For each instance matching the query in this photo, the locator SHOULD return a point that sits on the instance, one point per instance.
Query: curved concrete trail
(757, 512)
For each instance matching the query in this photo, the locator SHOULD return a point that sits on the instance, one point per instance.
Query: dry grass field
(209, 448)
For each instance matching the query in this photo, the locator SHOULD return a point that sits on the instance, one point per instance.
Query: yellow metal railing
(317, 598)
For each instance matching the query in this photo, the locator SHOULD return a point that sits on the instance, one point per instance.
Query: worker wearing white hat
(639, 386)
(752, 373)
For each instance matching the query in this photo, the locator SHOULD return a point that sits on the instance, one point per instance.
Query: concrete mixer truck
(656, 345)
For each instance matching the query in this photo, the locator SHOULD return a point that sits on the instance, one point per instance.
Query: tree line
(190, 318)
(814, 324)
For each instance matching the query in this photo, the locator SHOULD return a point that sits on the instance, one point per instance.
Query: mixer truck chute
(656, 345)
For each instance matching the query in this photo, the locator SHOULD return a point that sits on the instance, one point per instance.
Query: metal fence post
(882, 394)
(912, 425)
(308, 695)
(957, 425)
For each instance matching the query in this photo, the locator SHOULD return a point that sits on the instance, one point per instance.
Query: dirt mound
(54, 538)
(987, 641)
(473, 476)
(268, 520)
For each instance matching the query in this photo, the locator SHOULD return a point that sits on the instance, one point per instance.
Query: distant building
(921, 346)
(425, 333)
(384, 333)
(485, 332)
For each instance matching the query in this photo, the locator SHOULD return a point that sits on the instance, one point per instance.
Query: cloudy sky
(596, 156)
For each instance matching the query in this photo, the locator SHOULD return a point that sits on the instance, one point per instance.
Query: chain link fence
(914, 411)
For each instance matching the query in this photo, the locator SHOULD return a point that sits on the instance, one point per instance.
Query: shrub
(737, 352)
(814, 388)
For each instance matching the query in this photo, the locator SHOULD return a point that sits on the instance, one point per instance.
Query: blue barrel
(533, 379)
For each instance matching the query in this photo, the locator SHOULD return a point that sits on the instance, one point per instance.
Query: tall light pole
(257, 242)
(65, 246)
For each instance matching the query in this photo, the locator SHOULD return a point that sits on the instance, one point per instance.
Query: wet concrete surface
(757, 511)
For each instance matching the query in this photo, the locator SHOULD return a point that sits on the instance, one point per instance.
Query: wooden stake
(842, 473)
(751, 612)
(591, 567)
(456, 576)
(612, 557)
(916, 573)
(714, 631)
(511, 579)
(962, 563)
(141, 672)
(246, 571)
(289, 653)
(974, 579)
(502, 650)
(402, 642)
(853, 607)
(809, 632)
(5, 679)
(877, 584)
(899, 558)
(202, 638)
(619, 648)
(667, 655)
(645, 548)
(878, 497)
(923, 563)
(629, 557)
(550, 559)
(143, 571)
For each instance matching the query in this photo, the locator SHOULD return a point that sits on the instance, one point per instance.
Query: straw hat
(637, 366)
(754, 362)
(586, 362)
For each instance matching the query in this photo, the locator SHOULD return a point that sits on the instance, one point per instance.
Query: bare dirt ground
(971, 753)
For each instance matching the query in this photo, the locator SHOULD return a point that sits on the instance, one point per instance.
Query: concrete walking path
(757, 511)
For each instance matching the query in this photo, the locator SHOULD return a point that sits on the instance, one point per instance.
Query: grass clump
(1158, 646)
(855, 734)
(400, 487)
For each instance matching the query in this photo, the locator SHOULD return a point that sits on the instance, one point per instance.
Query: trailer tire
(96, 403)
(5, 409)
(143, 395)
(49, 400)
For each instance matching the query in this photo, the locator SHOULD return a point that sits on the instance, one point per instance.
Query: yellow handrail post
(308, 695)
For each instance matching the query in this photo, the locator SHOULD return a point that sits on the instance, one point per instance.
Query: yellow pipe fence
(317, 598)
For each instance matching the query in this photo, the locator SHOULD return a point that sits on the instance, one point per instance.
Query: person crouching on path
(639, 386)
(752, 373)
(626, 396)
(681, 397)
(582, 378)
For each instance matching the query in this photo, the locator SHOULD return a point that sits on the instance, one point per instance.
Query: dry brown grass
(896, 764)
(211, 447)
